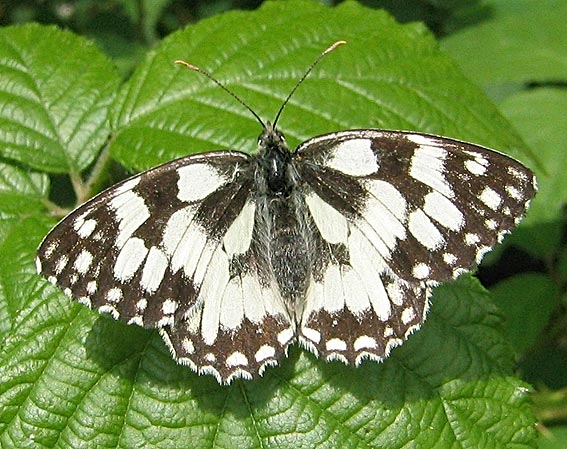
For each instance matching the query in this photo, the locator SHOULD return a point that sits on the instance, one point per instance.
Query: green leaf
(21, 191)
(387, 76)
(524, 42)
(525, 317)
(554, 438)
(69, 378)
(55, 89)
(538, 115)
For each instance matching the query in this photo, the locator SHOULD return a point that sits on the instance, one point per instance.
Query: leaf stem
(97, 173)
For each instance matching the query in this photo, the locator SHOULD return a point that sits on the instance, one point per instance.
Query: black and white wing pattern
(396, 213)
(337, 245)
(172, 249)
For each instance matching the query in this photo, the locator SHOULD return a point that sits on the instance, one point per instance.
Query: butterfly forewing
(409, 211)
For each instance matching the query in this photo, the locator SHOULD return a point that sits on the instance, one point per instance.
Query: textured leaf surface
(404, 82)
(525, 41)
(69, 378)
(21, 191)
(55, 89)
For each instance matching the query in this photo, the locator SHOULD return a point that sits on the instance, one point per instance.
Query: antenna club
(333, 46)
(188, 65)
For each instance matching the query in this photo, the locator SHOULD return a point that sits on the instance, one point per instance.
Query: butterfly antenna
(222, 86)
(305, 75)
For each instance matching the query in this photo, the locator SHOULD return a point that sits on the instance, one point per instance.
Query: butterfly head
(271, 140)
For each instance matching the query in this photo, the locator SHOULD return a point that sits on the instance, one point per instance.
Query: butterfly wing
(163, 250)
(405, 211)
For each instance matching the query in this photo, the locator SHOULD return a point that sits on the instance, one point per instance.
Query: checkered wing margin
(171, 249)
(397, 213)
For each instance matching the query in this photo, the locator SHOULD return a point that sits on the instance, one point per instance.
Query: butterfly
(336, 245)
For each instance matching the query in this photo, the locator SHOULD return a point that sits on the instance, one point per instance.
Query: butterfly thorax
(274, 162)
(279, 217)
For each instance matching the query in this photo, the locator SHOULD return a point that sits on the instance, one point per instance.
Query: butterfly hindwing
(409, 211)
(242, 325)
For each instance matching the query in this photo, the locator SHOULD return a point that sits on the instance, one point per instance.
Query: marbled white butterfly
(337, 245)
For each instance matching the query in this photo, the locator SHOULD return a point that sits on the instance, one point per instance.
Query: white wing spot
(130, 259)
(85, 228)
(491, 198)
(449, 258)
(238, 237)
(311, 334)
(354, 157)
(197, 181)
(165, 321)
(285, 336)
(364, 342)
(84, 300)
(110, 310)
(443, 211)
(61, 264)
(491, 224)
(388, 331)
(73, 279)
(52, 280)
(114, 295)
(265, 352)
(83, 262)
(428, 165)
(91, 287)
(395, 293)
(210, 357)
(513, 193)
(421, 271)
(129, 184)
(336, 344)
(236, 359)
(458, 271)
(131, 212)
(408, 315)
(51, 247)
(423, 229)
(141, 305)
(517, 174)
(471, 238)
(177, 225)
(478, 166)
(137, 320)
(332, 225)
(481, 252)
(154, 270)
(187, 346)
(169, 307)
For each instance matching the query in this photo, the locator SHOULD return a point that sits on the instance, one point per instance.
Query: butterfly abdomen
(288, 250)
